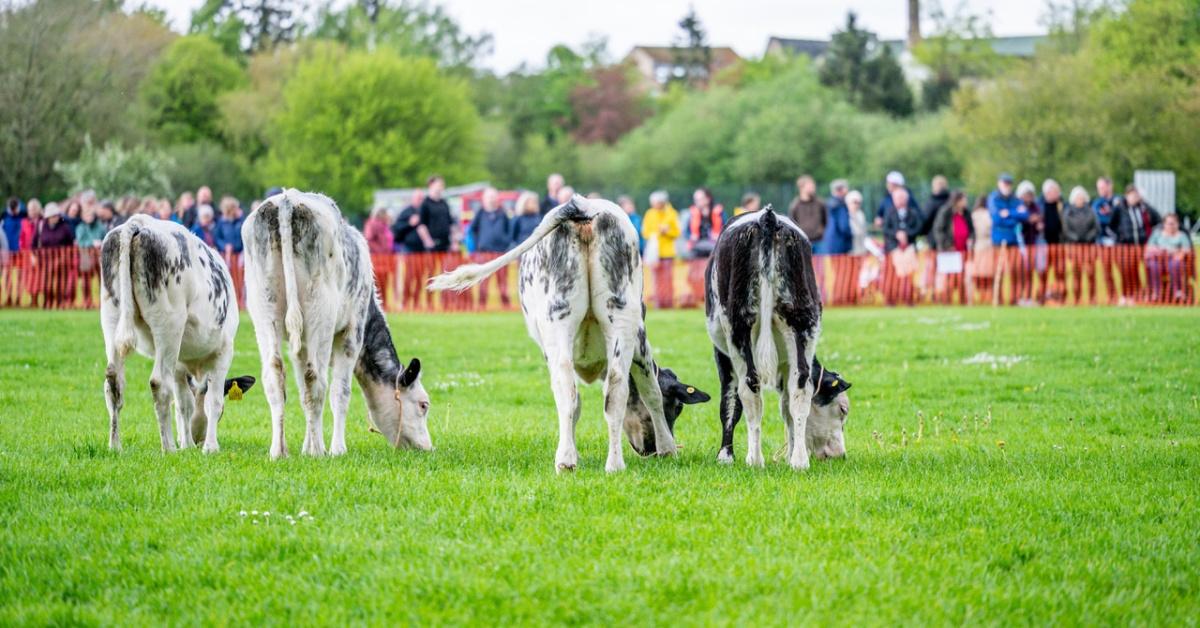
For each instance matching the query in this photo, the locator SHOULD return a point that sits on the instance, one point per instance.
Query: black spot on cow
(377, 360)
(151, 259)
(218, 291)
(185, 258)
(561, 263)
(616, 255)
(109, 260)
(559, 309)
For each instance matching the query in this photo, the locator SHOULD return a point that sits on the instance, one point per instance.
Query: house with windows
(659, 65)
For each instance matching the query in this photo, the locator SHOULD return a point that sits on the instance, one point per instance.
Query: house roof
(1013, 46)
(721, 55)
(810, 47)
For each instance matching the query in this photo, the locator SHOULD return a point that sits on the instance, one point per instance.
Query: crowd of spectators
(52, 251)
(1010, 232)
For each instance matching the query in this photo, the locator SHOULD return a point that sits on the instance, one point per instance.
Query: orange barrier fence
(68, 278)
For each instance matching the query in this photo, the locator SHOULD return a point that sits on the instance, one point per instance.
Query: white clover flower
(242, 513)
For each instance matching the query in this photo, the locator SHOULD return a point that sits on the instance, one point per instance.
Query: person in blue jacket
(627, 205)
(1007, 211)
(492, 234)
(838, 239)
(228, 230)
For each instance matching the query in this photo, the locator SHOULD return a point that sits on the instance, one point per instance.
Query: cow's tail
(125, 340)
(765, 358)
(468, 275)
(294, 319)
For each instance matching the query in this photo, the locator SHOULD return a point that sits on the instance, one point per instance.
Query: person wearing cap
(894, 181)
(1008, 218)
(57, 267)
(660, 227)
(900, 226)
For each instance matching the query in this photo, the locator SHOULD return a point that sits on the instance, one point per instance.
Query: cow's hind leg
(616, 398)
(114, 397)
(799, 392)
(162, 378)
(185, 406)
(311, 362)
(345, 352)
(273, 384)
(566, 395)
(214, 400)
(731, 406)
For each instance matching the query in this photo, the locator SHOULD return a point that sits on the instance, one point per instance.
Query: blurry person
(660, 227)
(903, 262)
(807, 210)
(892, 182)
(1032, 246)
(706, 219)
(204, 196)
(902, 219)
(1107, 208)
(377, 230)
(1135, 221)
(858, 222)
(205, 225)
(185, 208)
(951, 234)
(89, 234)
(436, 220)
(527, 218)
(983, 253)
(12, 226)
(106, 213)
(564, 195)
(404, 228)
(554, 183)
(53, 241)
(72, 212)
(1168, 249)
(228, 230)
(1008, 217)
(625, 202)
(492, 234)
(751, 202)
(14, 218)
(939, 195)
(1051, 205)
(839, 237)
(1080, 228)
(162, 211)
(407, 239)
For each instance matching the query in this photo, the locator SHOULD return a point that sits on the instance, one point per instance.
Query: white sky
(523, 30)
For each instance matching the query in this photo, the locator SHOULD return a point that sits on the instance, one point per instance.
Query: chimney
(914, 23)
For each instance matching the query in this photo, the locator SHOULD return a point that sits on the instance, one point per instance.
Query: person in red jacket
(705, 221)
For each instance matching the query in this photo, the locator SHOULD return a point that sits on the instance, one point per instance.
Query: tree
(410, 28)
(115, 171)
(67, 68)
(368, 120)
(865, 71)
(692, 52)
(182, 91)
(609, 107)
(246, 26)
(958, 49)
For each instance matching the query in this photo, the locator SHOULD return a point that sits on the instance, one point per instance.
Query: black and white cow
(309, 277)
(167, 295)
(764, 319)
(581, 292)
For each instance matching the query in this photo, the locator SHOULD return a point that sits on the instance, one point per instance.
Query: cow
(763, 312)
(580, 286)
(309, 279)
(167, 295)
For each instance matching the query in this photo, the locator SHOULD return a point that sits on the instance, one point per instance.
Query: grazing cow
(581, 292)
(165, 294)
(764, 319)
(309, 276)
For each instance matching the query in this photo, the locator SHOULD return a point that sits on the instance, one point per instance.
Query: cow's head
(404, 419)
(675, 394)
(830, 407)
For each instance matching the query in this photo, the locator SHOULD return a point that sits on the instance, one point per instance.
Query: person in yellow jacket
(660, 228)
(751, 202)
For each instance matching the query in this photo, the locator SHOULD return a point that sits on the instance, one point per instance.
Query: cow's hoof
(667, 453)
(615, 466)
(755, 461)
(563, 467)
(725, 457)
(335, 450)
(211, 449)
(277, 454)
(799, 465)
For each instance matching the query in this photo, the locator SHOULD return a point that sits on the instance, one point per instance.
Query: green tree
(370, 120)
(114, 171)
(865, 71)
(957, 49)
(181, 94)
(413, 29)
(67, 68)
(692, 52)
(243, 27)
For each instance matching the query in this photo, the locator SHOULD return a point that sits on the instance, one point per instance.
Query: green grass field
(1059, 489)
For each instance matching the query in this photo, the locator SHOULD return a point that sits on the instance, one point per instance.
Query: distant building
(815, 49)
(658, 65)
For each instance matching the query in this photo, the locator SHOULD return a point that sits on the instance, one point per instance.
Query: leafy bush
(208, 163)
(114, 171)
(181, 94)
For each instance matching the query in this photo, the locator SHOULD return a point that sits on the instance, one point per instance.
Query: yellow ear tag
(235, 392)
(834, 384)
(691, 390)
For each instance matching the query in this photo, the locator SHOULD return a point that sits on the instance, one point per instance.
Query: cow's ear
(832, 384)
(409, 374)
